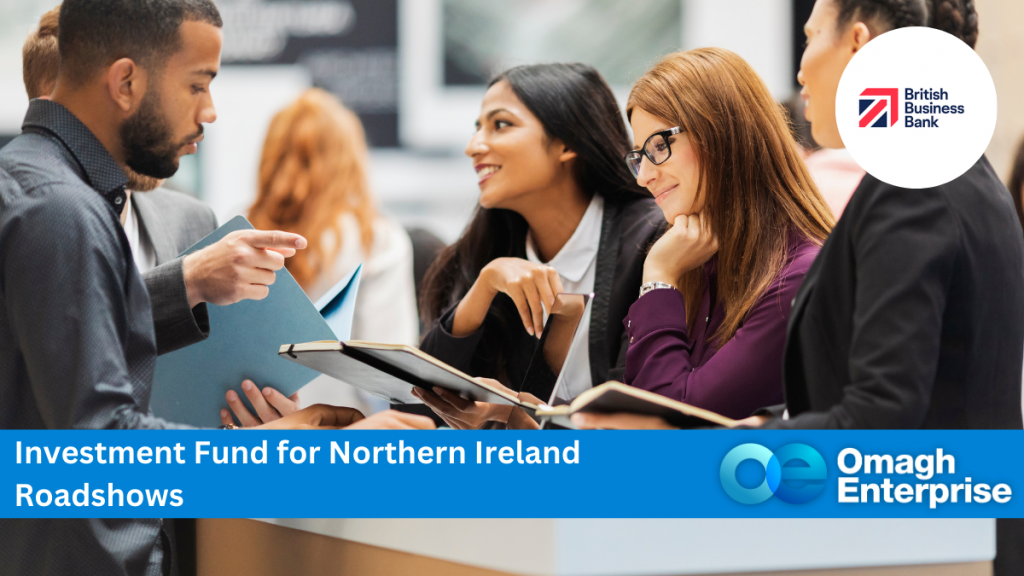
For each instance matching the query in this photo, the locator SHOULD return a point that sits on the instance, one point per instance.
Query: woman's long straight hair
(575, 105)
(312, 170)
(755, 184)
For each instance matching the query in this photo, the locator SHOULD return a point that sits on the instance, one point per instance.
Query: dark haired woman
(716, 152)
(559, 211)
(912, 316)
(906, 320)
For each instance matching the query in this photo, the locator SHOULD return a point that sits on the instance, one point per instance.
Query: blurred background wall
(1001, 46)
(415, 71)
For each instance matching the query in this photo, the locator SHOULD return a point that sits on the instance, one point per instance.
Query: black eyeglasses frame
(639, 154)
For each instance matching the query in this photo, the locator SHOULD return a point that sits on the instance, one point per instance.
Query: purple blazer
(739, 378)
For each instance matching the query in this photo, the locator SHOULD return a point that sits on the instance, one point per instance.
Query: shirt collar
(129, 217)
(573, 260)
(101, 170)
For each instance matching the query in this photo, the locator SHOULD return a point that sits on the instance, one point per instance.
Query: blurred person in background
(837, 175)
(313, 177)
(834, 171)
(1016, 182)
(1016, 187)
(40, 56)
(313, 181)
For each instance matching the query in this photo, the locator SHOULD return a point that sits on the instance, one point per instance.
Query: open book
(612, 397)
(390, 371)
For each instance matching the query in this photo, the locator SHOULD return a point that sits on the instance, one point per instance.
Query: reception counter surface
(584, 547)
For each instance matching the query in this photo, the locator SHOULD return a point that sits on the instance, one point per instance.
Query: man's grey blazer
(173, 221)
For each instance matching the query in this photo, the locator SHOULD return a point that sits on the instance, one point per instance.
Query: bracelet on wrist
(648, 286)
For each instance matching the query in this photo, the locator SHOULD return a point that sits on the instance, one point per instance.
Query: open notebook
(189, 384)
(391, 371)
(613, 397)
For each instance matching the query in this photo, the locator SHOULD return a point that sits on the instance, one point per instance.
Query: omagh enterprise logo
(795, 473)
(879, 107)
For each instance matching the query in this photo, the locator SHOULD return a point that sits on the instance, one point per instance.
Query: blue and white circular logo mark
(795, 473)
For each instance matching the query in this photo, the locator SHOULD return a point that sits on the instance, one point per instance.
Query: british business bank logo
(879, 107)
(911, 125)
(795, 473)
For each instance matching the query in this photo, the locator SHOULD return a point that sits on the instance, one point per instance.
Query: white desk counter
(603, 547)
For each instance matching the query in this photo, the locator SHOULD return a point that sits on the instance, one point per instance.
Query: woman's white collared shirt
(576, 264)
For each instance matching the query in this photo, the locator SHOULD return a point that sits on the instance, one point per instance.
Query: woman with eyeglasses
(558, 212)
(912, 315)
(715, 151)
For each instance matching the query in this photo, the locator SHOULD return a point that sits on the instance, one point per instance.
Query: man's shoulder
(173, 221)
(28, 145)
(8, 182)
(177, 202)
(34, 159)
(174, 210)
(31, 178)
(65, 214)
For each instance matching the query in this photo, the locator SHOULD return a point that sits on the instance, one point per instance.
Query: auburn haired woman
(716, 152)
(313, 182)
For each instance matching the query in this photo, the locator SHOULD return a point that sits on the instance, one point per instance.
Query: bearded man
(77, 343)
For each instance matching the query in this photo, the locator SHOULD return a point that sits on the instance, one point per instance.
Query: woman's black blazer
(912, 316)
(502, 349)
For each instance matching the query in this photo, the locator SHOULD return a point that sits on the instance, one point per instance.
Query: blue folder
(189, 384)
(338, 305)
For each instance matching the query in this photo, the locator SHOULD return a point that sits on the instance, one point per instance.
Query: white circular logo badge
(916, 107)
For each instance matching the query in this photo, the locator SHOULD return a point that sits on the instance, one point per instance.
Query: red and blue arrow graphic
(879, 107)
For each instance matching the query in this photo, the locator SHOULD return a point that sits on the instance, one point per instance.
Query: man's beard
(139, 183)
(146, 138)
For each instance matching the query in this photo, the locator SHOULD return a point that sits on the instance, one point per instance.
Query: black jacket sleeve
(906, 246)
(177, 325)
(454, 351)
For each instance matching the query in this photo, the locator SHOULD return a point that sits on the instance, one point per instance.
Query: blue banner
(509, 474)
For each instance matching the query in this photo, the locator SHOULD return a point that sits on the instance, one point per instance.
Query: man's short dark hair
(95, 33)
